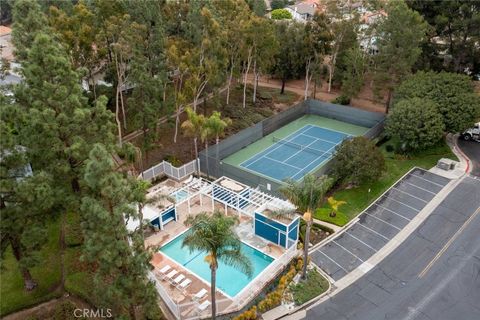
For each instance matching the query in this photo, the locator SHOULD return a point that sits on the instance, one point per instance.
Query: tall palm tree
(205, 135)
(214, 234)
(192, 127)
(215, 127)
(307, 196)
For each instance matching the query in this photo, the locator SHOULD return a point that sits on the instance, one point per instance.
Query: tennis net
(301, 147)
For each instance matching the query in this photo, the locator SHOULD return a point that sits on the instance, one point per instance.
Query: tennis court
(297, 154)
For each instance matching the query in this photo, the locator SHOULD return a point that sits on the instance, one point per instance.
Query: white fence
(165, 296)
(166, 168)
(263, 279)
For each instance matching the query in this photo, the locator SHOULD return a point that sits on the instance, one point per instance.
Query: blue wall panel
(265, 231)
(156, 222)
(270, 222)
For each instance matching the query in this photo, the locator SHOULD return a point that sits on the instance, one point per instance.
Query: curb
(457, 151)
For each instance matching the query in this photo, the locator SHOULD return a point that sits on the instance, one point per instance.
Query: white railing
(165, 296)
(267, 275)
(166, 168)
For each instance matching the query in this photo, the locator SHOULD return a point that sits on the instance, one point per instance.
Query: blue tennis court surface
(296, 155)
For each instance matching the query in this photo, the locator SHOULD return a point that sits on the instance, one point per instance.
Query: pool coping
(207, 282)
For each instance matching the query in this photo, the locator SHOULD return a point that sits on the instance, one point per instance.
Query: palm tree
(192, 128)
(214, 234)
(307, 196)
(334, 205)
(215, 127)
(205, 135)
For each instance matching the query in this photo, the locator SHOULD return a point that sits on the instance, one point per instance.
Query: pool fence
(166, 168)
(215, 167)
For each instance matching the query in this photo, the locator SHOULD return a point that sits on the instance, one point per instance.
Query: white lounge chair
(164, 270)
(185, 283)
(200, 294)
(204, 305)
(178, 279)
(172, 274)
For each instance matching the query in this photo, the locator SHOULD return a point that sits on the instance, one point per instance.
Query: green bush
(357, 161)
(416, 123)
(174, 161)
(281, 14)
(342, 99)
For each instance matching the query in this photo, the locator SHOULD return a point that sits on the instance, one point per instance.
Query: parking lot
(379, 223)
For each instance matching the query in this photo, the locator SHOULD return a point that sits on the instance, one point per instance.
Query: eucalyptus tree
(399, 37)
(234, 16)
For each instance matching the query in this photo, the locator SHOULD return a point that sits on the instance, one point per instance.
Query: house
(6, 46)
(302, 11)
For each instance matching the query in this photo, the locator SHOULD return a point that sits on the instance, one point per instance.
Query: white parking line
(379, 234)
(411, 195)
(437, 184)
(338, 244)
(398, 214)
(414, 185)
(351, 235)
(391, 225)
(332, 261)
(406, 205)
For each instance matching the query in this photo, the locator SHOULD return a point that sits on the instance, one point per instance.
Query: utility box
(446, 164)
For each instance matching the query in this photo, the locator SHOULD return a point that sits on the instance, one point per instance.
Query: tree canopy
(416, 124)
(452, 94)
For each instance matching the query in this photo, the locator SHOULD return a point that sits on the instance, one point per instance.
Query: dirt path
(364, 100)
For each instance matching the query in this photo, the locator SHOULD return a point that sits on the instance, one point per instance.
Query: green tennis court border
(244, 154)
(223, 159)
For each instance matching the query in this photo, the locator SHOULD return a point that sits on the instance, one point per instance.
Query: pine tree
(25, 198)
(148, 69)
(61, 126)
(123, 262)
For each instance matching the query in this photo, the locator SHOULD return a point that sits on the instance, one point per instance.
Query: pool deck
(184, 298)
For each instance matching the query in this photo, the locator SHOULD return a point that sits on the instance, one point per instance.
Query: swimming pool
(230, 280)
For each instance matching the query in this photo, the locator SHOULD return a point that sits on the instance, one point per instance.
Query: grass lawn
(323, 214)
(314, 285)
(47, 274)
(397, 165)
(78, 276)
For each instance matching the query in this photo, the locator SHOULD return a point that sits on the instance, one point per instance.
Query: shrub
(174, 161)
(357, 161)
(389, 148)
(281, 14)
(278, 4)
(452, 93)
(416, 123)
(342, 99)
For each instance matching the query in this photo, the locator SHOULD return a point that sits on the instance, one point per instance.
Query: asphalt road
(434, 274)
(472, 150)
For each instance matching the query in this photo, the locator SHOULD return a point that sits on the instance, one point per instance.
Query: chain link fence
(216, 167)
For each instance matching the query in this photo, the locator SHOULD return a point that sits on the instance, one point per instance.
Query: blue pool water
(229, 280)
(180, 195)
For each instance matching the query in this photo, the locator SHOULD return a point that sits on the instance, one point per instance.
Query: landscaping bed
(306, 290)
(358, 198)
